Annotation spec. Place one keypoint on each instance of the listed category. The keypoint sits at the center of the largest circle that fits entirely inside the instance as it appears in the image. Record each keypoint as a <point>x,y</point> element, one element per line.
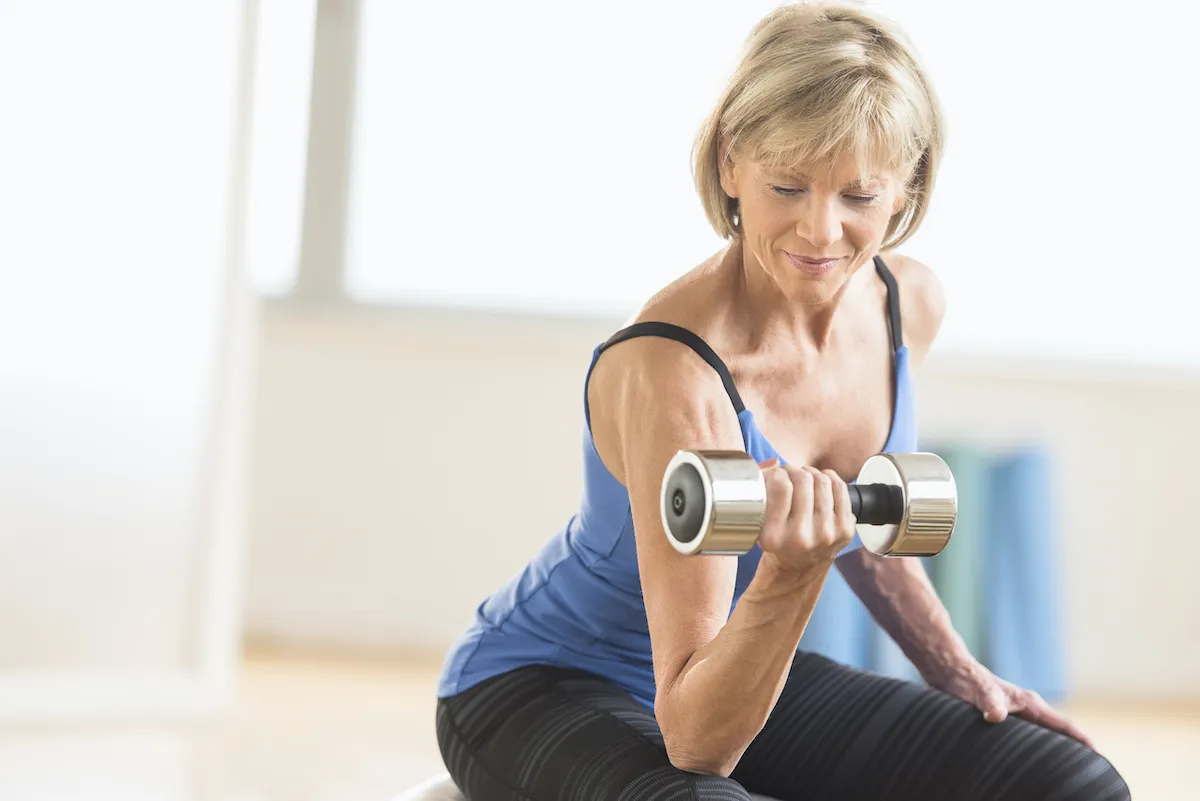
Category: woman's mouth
<point>810,265</point>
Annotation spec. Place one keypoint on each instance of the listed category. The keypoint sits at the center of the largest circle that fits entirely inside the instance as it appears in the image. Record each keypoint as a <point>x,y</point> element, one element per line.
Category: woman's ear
<point>901,198</point>
<point>726,168</point>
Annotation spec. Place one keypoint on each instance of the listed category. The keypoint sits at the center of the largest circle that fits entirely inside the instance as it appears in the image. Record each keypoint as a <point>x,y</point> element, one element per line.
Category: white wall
<point>406,462</point>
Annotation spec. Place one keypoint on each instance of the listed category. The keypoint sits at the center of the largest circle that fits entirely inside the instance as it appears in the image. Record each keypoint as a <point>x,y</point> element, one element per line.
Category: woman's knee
<point>1021,761</point>
<point>1092,778</point>
<point>1070,772</point>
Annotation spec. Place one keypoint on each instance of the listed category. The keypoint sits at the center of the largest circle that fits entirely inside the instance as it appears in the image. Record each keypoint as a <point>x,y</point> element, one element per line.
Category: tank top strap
<point>893,302</point>
<point>689,338</point>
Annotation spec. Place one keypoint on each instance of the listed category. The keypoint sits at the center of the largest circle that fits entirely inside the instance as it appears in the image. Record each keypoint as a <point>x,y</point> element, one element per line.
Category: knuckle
<point>784,490</point>
<point>802,492</point>
<point>778,481</point>
<point>803,480</point>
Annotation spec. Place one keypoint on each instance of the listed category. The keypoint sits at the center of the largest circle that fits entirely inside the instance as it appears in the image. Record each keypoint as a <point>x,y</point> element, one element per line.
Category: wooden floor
<point>329,729</point>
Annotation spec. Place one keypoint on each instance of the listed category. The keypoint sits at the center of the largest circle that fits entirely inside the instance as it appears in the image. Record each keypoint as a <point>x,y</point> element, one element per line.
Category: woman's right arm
<point>718,675</point>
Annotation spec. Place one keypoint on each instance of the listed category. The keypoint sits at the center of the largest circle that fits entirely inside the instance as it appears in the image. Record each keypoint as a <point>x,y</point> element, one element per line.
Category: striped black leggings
<point>549,734</point>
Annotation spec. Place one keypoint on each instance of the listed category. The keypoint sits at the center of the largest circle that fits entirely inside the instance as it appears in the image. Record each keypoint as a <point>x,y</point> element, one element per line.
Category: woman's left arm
<point>898,594</point>
<point>897,591</point>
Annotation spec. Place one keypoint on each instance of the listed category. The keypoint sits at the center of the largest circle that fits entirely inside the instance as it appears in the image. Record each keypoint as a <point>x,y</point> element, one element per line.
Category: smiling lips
<point>812,266</point>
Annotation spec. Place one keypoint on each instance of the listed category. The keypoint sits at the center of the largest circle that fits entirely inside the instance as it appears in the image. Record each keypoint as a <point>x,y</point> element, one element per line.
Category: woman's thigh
<point>841,733</point>
<point>544,734</point>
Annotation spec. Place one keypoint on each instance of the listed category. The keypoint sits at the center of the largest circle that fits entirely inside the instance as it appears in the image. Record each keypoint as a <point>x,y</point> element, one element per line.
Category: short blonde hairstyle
<point>817,83</point>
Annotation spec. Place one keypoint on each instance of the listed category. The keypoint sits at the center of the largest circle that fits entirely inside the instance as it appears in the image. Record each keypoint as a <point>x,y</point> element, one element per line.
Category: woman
<point>614,668</point>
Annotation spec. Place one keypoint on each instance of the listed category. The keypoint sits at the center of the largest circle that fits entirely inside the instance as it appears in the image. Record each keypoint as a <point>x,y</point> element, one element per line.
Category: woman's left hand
<point>996,698</point>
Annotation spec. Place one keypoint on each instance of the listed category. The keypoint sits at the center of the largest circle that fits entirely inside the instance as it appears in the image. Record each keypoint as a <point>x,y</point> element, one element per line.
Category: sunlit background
<point>296,302</point>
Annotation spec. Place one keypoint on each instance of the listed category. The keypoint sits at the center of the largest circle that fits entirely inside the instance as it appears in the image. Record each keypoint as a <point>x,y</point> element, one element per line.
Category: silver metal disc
<point>735,497</point>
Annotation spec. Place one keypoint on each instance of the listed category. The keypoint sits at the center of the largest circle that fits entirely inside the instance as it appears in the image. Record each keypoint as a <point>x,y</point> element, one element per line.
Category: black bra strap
<point>670,331</point>
<point>893,300</point>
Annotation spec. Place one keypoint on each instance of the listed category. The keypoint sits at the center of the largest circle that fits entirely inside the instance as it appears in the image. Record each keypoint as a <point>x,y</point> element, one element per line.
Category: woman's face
<point>811,227</point>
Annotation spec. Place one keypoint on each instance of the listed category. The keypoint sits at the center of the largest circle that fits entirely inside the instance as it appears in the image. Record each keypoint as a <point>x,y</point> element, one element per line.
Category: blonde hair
<point>818,82</point>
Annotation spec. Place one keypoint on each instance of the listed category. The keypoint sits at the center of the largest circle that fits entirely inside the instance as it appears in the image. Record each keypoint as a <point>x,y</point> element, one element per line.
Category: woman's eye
<point>791,191</point>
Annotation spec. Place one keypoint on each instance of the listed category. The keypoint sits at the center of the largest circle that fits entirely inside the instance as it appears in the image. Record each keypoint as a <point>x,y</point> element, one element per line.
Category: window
<point>532,155</point>
<point>279,142</point>
<point>1057,225</point>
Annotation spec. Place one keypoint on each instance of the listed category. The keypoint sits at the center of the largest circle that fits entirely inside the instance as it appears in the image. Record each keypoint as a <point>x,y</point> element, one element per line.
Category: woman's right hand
<point>808,519</point>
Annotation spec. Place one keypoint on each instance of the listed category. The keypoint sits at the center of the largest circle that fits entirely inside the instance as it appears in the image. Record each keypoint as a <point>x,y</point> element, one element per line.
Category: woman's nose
<point>820,224</point>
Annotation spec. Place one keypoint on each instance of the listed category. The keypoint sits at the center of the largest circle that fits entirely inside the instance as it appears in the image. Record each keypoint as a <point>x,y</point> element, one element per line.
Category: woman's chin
<point>814,291</point>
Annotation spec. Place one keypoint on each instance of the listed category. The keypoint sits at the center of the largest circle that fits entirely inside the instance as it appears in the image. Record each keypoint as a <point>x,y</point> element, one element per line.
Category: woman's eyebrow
<point>857,183</point>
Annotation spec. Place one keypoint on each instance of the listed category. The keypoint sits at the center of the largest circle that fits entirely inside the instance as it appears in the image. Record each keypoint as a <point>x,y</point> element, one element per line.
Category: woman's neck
<point>771,318</point>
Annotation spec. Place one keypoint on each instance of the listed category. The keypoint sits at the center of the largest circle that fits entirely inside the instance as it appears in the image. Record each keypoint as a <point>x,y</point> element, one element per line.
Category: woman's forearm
<point>726,691</point>
<point>900,597</point>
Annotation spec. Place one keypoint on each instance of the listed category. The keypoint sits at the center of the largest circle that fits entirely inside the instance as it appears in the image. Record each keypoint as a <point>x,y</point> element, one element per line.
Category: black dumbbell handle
<point>876,504</point>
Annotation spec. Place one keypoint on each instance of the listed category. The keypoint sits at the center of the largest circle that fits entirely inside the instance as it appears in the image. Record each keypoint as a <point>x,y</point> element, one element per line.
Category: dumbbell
<point>714,502</point>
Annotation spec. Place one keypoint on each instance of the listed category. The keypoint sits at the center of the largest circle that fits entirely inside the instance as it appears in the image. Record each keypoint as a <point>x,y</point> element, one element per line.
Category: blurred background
<point>296,302</point>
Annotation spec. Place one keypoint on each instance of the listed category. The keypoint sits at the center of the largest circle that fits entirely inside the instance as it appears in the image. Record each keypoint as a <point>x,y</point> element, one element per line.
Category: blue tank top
<point>578,602</point>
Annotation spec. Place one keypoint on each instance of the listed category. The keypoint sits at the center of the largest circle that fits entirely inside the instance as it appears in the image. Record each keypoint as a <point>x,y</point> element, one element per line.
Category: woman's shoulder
<point>659,364</point>
<point>922,301</point>
<point>652,389</point>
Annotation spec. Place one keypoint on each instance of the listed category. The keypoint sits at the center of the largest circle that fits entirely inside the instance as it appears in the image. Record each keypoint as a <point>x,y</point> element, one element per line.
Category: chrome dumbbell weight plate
<point>930,504</point>
<point>713,502</point>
